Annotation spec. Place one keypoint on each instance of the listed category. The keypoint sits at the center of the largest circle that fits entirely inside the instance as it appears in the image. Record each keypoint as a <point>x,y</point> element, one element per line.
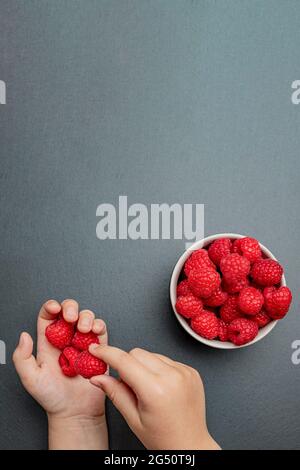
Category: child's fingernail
<point>86,322</point>
<point>22,339</point>
<point>52,303</point>
<point>71,313</point>
<point>93,346</point>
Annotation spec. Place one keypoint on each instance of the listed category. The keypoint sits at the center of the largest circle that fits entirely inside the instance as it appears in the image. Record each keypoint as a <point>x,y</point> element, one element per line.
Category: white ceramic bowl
<point>174,281</point>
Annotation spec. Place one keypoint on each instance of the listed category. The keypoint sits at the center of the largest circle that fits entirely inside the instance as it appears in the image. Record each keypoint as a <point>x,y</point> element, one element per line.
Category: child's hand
<point>162,400</point>
<point>71,403</point>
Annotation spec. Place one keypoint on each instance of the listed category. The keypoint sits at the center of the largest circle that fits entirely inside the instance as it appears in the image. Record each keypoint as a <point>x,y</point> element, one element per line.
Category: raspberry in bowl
<point>228,291</point>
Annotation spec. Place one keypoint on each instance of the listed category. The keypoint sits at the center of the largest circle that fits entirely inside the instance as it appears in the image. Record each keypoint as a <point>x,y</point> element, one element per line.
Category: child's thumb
<point>121,396</point>
<point>25,363</point>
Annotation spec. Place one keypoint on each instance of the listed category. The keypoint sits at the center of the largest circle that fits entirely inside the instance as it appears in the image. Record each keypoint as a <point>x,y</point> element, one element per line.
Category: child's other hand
<point>60,396</point>
<point>162,400</point>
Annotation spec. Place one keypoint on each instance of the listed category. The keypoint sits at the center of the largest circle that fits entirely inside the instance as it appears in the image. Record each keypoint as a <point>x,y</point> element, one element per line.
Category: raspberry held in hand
<point>67,361</point>
<point>74,359</point>
<point>206,325</point>
<point>88,365</point>
<point>250,300</point>
<point>189,306</point>
<point>82,341</point>
<point>242,331</point>
<point>266,272</point>
<point>60,333</point>
<point>204,282</point>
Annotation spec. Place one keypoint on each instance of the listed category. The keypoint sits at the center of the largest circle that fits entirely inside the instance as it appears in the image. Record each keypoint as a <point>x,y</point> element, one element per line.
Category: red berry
<point>235,287</point>
<point>183,288</point>
<point>223,333</point>
<point>218,249</point>
<point>257,286</point>
<point>206,325</point>
<point>266,272</point>
<point>197,260</point>
<point>247,247</point>
<point>216,299</point>
<point>67,361</point>
<point>234,267</point>
<point>277,301</point>
<point>250,300</point>
<point>60,333</point>
<point>204,282</point>
<point>236,246</point>
<point>88,365</point>
<point>242,331</point>
<point>230,310</point>
<point>261,318</point>
<point>82,341</point>
<point>189,306</point>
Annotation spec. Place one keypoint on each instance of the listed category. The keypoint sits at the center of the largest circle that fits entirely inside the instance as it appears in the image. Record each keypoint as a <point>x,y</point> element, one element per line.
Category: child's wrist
<point>77,432</point>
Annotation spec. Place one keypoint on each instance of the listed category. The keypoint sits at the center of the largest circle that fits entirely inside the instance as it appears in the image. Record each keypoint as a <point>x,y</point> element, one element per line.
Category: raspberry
<point>235,287</point>
<point>277,301</point>
<point>199,259</point>
<point>189,306</point>
<point>242,331</point>
<point>60,333</point>
<point>223,333</point>
<point>218,249</point>
<point>230,310</point>
<point>206,325</point>
<point>234,267</point>
<point>261,318</point>
<point>250,300</point>
<point>236,246</point>
<point>204,282</point>
<point>67,360</point>
<point>247,247</point>
<point>266,272</point>
<point>82,341</point>
<point>183,288</point>
<point>257,286</point>
<point>88,365</point>
<point>216,299</point>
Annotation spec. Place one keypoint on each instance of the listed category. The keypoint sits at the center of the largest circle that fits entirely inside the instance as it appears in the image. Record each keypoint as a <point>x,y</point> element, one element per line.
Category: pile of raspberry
<point>230,290</point>
<point>75,358</point>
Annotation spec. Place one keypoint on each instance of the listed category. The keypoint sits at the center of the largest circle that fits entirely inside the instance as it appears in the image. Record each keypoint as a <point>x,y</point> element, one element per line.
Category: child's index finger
<point>132,372</point>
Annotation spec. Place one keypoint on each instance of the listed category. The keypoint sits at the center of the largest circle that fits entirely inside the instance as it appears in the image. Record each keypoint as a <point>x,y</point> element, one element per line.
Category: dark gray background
<point>163,101</point>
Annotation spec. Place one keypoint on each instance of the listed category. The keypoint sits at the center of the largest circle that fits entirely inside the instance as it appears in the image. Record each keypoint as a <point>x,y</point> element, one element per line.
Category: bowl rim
<point>173,285</point>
